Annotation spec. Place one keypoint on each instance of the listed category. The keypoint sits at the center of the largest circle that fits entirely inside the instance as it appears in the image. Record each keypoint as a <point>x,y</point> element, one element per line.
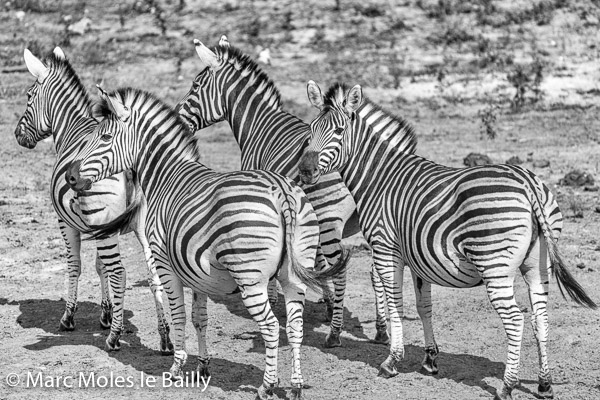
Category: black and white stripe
<point>58,106</point>
<point>233,88</point>
<point>452,227</point>
<point>217,233</point>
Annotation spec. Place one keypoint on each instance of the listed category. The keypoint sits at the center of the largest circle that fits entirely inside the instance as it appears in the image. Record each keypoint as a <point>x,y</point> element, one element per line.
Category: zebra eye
<point>339,130</point>
<point>106,137</point>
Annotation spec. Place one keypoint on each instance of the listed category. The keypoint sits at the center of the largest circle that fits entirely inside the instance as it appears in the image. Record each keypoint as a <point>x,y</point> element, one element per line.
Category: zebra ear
<point>314,94</point>
<point>223,42</point>
<point>353,99</point>
<point>115,105</point>
<point>59,53</point>
<point>206,55</point>
<point>35,66</point>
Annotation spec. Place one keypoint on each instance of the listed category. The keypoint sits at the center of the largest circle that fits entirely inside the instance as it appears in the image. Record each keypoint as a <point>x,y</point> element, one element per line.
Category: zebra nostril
<point>72,180</point>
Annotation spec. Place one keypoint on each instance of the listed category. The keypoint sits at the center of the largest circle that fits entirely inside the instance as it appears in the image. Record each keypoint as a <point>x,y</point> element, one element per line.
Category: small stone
<point>541,164</point>
<point>475,159</point>
<point>581,265</point>
<point>590,188</point>
<point>514,160</point>
<point>577,178</point>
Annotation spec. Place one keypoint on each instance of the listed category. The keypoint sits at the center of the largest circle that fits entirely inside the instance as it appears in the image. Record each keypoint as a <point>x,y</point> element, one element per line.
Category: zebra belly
<point>206,277</point>
<point>465,276</point>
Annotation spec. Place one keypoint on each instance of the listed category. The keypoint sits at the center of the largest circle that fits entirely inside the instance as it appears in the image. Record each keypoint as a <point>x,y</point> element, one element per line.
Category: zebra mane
<point>65,70</point>
<point>146,102</point>
<point>389,127</point>
<point>245,65</point>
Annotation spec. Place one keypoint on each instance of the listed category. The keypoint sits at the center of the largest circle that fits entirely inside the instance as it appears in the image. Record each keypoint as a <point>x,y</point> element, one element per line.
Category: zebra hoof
<point>387,369</point>
<point>112,343</point>
<point>67,325</point>
<point>332,340</point>
<point>202,370</point>
<point>429,364</point>
<point>296,393</point>
<point>264,393</point>
<point>106,315</point>
<point>382,337</point>
<point>545,390</point>
<point>67,322</point>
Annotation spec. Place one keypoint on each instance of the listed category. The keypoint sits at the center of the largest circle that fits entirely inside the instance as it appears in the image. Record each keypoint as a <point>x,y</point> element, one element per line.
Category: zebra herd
<point>129,162</point>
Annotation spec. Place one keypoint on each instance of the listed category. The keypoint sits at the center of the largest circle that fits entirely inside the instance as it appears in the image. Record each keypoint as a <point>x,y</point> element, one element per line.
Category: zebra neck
<point>250,105</point>
<point>378,158</point>
<point>69,116</point>
<point>166,151</point>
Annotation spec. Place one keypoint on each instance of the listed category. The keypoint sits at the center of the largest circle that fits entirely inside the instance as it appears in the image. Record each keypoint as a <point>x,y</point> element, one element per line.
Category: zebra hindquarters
<point>497,258</point>
<point>536,275</point>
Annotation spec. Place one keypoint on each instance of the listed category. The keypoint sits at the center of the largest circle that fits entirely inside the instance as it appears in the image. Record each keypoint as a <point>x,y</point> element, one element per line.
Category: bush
<point>526,78</point>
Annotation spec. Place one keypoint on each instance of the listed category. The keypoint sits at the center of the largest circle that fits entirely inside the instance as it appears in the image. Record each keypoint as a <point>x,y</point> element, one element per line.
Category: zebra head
<point>203,105</point>
<point>34,125</point>
<point>109,149</point>
<point>329,146</point>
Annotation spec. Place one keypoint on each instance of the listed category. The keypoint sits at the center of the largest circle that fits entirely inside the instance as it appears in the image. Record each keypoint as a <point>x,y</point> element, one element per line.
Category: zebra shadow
<point>44,314</point>
<point>313,316</point>
<point>466,369</point>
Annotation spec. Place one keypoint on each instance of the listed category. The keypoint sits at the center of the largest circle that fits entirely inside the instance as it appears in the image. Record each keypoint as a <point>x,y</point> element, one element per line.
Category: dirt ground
<point>442,65</point>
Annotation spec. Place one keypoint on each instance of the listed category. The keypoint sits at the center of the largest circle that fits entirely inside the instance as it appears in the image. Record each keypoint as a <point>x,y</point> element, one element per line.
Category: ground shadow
<point>44,314</point>
<point>463,368</point>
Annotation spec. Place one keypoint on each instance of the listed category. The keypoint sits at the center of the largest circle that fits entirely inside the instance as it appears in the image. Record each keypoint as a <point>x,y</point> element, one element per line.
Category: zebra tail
<point>307,276</point>
<point>122,224</point>
<point>566,281</point>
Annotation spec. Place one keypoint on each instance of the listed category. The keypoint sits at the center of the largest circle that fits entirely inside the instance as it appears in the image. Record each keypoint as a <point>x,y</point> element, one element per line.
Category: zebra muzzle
<point>22,138</point>
<point>74,179</point>
<point>309,167</point>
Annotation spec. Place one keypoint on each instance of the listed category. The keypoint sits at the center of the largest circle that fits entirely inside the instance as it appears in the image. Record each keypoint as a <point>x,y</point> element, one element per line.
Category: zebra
<point>232,87</point>
<point>453,227</point>
<point>217,233</point>
<point>58,106</point>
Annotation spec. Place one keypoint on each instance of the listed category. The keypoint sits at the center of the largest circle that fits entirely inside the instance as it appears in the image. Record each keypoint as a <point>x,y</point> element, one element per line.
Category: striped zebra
<point>58,106</point>
<point>231,87</point>
<point>217,233</point>
<point>452,227</point>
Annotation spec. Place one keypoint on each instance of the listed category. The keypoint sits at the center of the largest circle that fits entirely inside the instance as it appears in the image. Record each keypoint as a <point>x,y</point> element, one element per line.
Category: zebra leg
<point>174,289</point>
<point>272,290</point>
<point>110,256</point>
<point>328,255</point>
<point>256,301</point>
<point>501,294</point>
<point>294,301</point>
<point>166,347</point>
<point>200,321</point>
<point>535,274</point>
<point>423,296</point>
<point>391,273</point>
<point>381,336</point>
<point>72,238</point>
<point>106,306</point>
